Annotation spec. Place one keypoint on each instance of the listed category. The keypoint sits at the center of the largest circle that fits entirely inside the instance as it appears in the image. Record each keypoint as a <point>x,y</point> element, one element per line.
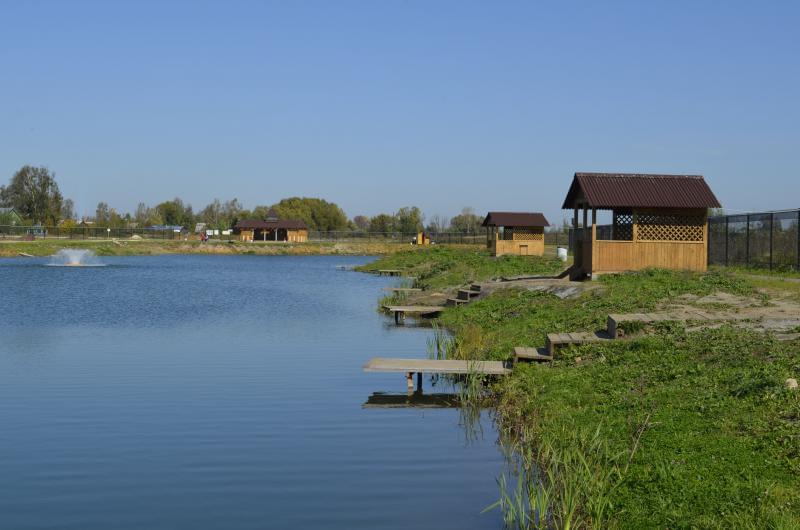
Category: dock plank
<point>434,366</point>
<point>419,309</point>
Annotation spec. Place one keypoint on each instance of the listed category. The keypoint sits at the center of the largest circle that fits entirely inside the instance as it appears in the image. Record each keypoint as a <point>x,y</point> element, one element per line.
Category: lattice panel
<point>527,235</point>
<point>653,227</point>
<point>623,227</point>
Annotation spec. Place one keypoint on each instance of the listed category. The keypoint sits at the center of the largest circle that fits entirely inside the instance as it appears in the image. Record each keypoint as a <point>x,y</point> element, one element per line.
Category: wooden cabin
<point>657,221</point>
<point>520,233</point>
<point>272,229</point>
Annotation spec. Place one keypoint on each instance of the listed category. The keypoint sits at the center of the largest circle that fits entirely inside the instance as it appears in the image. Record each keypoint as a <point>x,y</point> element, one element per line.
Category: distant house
<point>657,221</point>
<point>272,228</point>
<point>520,233</point>
<point>9,216</point>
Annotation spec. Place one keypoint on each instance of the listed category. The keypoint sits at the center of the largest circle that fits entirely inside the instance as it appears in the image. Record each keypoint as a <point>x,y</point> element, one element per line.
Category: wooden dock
<point>400,311</point>
<point>389,272</point>
<point>402,289</point>
<point>434,366</point>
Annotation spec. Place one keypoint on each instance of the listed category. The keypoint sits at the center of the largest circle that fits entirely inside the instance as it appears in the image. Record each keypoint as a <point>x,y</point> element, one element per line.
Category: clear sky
<point>382,104</point>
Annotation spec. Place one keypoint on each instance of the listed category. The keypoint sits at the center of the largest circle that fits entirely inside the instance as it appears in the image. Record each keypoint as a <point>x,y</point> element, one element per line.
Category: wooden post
<point>419,381</point>
<point>410,381</point>
<point>399,316</point>
<point>575,219</point>
<point>585,216</point>
<point>594,225</point>
<point>635,226</point>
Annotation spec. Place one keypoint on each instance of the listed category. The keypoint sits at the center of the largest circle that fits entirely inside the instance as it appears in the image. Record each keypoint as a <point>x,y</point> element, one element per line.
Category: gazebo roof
<point>636,190</point>
<point>258,224</point>
<point>521,219</point>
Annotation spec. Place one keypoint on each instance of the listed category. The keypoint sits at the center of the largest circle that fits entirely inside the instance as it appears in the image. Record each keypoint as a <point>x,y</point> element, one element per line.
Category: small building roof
<point>636,190</point>
<point>515,219</point>
<point>258,224</point>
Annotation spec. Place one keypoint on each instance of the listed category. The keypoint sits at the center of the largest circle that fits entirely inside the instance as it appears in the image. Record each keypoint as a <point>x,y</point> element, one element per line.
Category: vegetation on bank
<point>675,429</point>
<point>438,266</point>
<point>48,247</point>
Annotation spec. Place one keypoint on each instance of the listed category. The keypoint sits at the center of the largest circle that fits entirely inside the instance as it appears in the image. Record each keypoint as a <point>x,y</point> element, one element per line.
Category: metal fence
<point>766,240</point>
<point>83,232</point>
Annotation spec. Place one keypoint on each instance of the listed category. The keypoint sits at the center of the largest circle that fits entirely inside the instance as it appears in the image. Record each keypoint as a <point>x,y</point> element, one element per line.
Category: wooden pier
<point>434,366</point>
<point>400,311</point>
<point>389,272</point>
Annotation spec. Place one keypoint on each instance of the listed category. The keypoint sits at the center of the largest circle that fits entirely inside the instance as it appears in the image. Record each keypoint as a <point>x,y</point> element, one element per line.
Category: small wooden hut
<point>657,221</point>
<point>520,233</point>
<point>272,228</point>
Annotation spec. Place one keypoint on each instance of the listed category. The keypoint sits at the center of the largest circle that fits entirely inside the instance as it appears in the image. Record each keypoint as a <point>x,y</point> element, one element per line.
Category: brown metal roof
<point>258,224</point>
<point>635,190</point>
<point>515,219</point>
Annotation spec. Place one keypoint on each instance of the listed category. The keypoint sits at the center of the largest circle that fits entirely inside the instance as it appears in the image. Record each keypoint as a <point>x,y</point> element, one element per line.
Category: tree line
<point>35,196</point>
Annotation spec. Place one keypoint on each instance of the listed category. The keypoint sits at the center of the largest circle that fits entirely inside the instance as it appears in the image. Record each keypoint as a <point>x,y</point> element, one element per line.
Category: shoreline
<point>673,411</point>
<point>145,247</point>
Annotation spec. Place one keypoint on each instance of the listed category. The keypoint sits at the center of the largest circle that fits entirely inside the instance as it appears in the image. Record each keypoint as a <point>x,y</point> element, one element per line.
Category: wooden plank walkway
<point>434,366</point>
<point>401,310</point>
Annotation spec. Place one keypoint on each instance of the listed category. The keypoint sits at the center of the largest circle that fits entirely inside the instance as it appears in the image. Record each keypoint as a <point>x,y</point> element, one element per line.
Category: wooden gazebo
<point>272,228</point>
<point>658,221</point>
<point>520,233</point>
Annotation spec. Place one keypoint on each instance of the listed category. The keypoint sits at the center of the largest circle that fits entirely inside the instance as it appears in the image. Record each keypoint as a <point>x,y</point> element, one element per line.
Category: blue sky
<point>382,104</point>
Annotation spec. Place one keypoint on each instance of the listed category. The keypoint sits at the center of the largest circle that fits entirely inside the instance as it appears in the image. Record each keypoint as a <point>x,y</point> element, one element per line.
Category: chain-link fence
<point>85,232</point>
<point>766,240</point>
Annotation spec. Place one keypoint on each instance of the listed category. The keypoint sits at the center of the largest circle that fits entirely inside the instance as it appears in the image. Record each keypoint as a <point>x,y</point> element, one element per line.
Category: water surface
<point>220,392</point>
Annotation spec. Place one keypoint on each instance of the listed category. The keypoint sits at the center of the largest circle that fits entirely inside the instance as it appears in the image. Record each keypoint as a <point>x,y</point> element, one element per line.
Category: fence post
<point>797,265</point>
<point>747,243</point>
<point>771,231</point>
<point>727,232</point>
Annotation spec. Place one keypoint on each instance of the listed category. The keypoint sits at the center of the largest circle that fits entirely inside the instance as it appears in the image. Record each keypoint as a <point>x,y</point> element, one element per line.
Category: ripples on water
<point>220,392</point>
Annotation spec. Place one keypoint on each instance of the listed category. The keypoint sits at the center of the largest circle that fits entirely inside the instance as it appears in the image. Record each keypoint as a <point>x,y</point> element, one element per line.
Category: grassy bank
<point>671,429</point>
<point>448,266</point>
<point>48,247</point>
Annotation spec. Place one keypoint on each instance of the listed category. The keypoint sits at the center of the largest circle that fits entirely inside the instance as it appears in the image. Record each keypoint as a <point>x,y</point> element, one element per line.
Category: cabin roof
<point>637,190</point>
<point>258,224</point>
<point>515,219</point>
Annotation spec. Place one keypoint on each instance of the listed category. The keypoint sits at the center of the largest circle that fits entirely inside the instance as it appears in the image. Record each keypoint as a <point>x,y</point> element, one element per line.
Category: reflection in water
<point>383,400</point>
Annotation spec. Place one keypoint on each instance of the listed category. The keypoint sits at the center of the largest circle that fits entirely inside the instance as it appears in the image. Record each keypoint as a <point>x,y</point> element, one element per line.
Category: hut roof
<point>289,224</point>
<point>515,219</point>
<point>635,190</point>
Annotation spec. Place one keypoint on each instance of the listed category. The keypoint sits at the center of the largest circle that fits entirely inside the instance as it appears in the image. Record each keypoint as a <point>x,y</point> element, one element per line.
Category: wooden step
<point>475,287</point>
<point>466,294</point>
<point>563,339</point>
<point>456,301</point>
<point>522,353</point>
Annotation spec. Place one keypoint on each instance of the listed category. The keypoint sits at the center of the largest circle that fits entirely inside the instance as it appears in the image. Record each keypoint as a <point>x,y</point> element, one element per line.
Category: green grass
<point>710,435</point>
<point>437,267</point>
<point>491,327</point>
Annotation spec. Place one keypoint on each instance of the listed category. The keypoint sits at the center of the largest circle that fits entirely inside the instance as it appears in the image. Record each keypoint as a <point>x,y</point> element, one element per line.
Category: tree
<point>318,214</point>
<point>361,222</point>
<point>68,210</point>
<point>438,224</point>
<point>467,222</point>
<point>102,215</point>
<point>175,213</point>
<point>33,193</point>
<point>381,223</point>
<point>408,220</point>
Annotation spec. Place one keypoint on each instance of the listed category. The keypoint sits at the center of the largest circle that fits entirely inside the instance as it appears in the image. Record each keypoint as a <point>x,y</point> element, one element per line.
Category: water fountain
<point>75,257</point>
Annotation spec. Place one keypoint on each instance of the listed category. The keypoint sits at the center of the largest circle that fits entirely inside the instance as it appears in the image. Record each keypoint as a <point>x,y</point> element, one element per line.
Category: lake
<point>221,392</point>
